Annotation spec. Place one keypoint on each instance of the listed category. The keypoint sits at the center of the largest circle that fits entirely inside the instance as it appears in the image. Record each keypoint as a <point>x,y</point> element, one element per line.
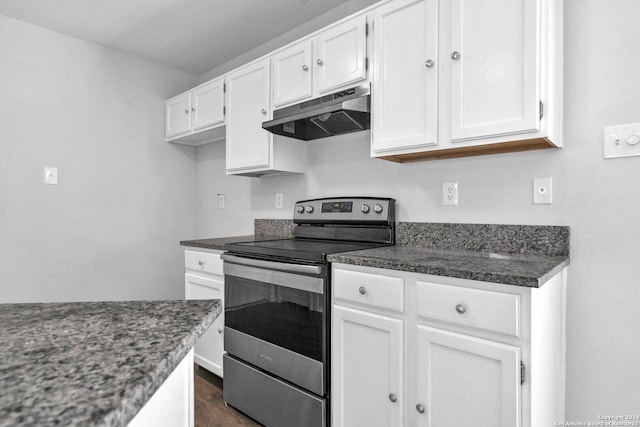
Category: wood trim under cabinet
<point>476,150</point>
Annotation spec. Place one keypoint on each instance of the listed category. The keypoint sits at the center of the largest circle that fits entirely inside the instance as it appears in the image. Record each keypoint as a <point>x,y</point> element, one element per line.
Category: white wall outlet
<point>50,175</point>
<point>221,200</point>
<point>542,191</point>
<point>279,200</point>
<point>622,141</point>
<point>449,193</point>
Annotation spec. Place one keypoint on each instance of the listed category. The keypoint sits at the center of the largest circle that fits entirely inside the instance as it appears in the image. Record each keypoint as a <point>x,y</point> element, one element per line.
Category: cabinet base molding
<point>477,150</point>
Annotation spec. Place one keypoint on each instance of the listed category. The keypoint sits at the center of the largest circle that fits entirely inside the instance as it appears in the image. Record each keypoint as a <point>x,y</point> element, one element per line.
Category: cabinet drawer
<point>203,261</point>
<point>368,289</point>
<point>486,310</point>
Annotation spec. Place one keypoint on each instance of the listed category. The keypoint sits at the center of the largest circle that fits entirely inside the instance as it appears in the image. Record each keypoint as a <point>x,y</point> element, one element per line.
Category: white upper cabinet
<point>196,117</point>
<point>405,78</point>
<point>490,49</point>
<point>334,59</point>
<point>178,115</point>
<point>207,105</point>
<point>251,150</point>
<point>291,71</point>
<point>248,145</point>
<point>341,55</point>
<point>465,77</point>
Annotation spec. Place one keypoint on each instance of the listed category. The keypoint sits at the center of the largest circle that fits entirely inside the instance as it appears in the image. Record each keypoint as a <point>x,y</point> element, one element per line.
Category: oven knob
<point>365,208</point>
<point>377,208</point>
<point>300,209</point>
<point>309,209</point>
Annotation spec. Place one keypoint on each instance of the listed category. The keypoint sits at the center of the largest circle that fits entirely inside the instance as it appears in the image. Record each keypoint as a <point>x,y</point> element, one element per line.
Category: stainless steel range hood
<point>341,112</point>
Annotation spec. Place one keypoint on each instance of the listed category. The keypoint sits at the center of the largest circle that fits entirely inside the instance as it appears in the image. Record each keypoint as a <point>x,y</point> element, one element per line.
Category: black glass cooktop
<point>297,249</point>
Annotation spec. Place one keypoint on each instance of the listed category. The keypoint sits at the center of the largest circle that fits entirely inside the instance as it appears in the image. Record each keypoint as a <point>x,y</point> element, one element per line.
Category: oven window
<point>289,318</point>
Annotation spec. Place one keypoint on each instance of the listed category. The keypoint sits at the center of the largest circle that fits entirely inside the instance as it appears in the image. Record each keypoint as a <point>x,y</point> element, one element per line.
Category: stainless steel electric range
<point>278,305</point>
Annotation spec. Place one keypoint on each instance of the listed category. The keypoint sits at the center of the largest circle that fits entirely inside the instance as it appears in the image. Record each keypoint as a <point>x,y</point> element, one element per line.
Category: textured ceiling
<point>190,35</point>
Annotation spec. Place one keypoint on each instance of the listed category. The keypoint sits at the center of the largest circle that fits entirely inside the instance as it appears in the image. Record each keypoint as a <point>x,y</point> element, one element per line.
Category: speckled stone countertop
<point>520,255</point>
<point>92,363</point>
<point>265,229</point>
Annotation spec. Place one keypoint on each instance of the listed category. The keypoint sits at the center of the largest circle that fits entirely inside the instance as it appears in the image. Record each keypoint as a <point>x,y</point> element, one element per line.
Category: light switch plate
<point>622,141</point>
<point>542,191</point>
<point>50,175</point>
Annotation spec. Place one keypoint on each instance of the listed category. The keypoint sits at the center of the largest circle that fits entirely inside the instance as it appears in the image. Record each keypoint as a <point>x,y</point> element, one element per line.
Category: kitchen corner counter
<point>92,363</point>
<point>513,269</point>
<point>216,243</point>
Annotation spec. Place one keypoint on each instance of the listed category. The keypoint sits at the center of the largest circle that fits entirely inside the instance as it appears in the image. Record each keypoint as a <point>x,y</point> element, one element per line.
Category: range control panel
<point>345,209</point>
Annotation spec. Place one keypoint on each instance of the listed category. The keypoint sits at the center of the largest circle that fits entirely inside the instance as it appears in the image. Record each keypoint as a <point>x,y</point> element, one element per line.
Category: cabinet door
<point>493,54</point>
<point>210,346</point>
<point>465,381</point>
<point>178,115</point>
<point>207,105</point>
<point>340,55</point>
<point>291,74</point>
<point>248,145</point>
<point>405,90</point>
<point>366,369</point>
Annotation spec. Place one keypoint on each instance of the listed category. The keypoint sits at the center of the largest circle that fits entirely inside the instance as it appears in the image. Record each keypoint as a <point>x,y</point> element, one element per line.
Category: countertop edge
<point>137,396</point>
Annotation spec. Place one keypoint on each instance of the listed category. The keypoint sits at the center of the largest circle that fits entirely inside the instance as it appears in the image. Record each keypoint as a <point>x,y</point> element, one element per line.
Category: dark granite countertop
<point>513,269</point>
<point>92,363</point>
<point>217,242</point>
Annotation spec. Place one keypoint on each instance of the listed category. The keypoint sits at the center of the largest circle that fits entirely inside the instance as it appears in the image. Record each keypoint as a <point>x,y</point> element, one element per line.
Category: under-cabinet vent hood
<point>341,112</point>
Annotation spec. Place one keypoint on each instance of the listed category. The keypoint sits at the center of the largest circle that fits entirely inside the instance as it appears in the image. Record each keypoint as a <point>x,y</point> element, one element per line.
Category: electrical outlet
<point>221,200</point>
<point>279,200</point>
<point>50,175</point>
<point>450,193</point>
<point>542,191</point>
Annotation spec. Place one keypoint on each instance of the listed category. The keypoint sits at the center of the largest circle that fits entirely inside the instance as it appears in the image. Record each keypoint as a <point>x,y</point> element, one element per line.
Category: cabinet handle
<point>362,290</point>
<point>461,308</point>
<point>393,398</point>
<point>193,109</point>
<point>429,63</point>
<point>455,55</point>
<point>320,61</point>
<point>186,111</point>
<point>263,111</point>
<point>305,68</point>
<point>200,262</point>
<point>420,408</point>
<point>220,331</point>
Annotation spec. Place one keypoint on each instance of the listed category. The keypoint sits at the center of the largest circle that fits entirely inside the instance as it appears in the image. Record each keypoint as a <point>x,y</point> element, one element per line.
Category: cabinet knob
<point>461,308</point>
<point>393,397</point>
<point>320,62</point>
<point>305,68</point>
<point>220,331</point>
<point>429,63</point>
<point>455,55</point>
<point>200,262</point>
<point>186,111</point>
<point>420,408</point>
<point>263,111</point>
<point>193,109</point>
<point>362,290</point>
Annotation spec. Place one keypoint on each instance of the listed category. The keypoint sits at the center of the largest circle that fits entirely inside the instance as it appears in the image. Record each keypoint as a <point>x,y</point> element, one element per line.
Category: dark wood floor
<point>210,410</point>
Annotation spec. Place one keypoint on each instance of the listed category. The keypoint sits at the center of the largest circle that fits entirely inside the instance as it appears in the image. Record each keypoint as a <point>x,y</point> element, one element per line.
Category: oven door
<point>276,318</point>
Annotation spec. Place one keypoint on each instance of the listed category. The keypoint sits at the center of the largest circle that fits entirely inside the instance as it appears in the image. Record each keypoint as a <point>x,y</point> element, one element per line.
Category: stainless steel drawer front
<point>269,400</point>
<point>303,371</point>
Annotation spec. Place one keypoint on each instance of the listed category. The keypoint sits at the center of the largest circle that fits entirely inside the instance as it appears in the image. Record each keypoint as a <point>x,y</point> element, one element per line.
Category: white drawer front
<point>203,261</point>
<point>368,289</point>
<point>486,310</point>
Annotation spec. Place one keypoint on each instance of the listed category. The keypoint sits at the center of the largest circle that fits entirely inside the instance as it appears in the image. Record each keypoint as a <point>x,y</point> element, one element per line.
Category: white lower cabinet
<point>204,279</point>
<point>448,352</point>
<point>367,368</point>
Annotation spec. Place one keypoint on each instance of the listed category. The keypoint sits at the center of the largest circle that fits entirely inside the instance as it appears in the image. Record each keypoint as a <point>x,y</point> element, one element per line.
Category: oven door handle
<point>281,266</point>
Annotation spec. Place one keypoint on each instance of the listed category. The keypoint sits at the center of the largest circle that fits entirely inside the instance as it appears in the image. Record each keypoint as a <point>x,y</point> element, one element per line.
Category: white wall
<point>110,229</point>
<point>598,198</point>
